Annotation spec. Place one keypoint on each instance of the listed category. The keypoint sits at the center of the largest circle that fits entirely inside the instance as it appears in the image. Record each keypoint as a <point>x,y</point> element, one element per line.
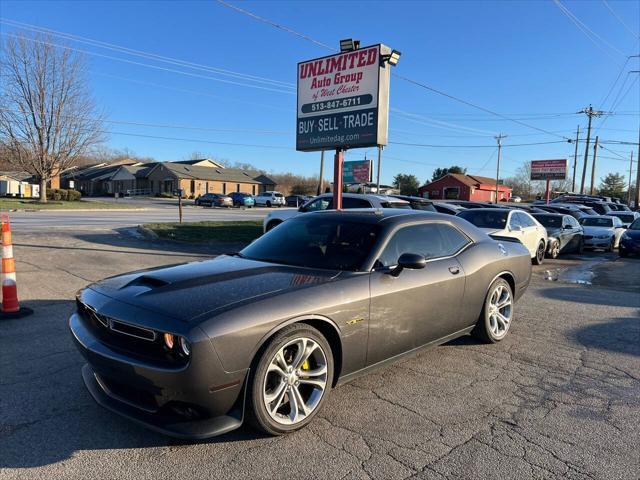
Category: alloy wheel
<point>500,311</point>
<point>540,252</point>
<point>295,381</point>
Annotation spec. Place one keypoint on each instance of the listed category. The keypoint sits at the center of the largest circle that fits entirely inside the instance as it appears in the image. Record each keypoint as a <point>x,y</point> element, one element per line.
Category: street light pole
<point>499,139</point>
<point>575,161</point>
<point>378,175</point>
<point>321,179</point>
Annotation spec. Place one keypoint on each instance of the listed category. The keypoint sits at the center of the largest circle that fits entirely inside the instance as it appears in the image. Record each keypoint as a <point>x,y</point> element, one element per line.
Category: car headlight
<point>186,347</point>
<point>178,343</point>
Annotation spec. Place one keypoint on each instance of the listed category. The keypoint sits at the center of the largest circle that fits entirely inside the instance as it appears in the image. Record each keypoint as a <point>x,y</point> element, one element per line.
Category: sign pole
<point>338,162</point>
<point>378,175</point>
<point>321,180</point>
<point>547,194</point>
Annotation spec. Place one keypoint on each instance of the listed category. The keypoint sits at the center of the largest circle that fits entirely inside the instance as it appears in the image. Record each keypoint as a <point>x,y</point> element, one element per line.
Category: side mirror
<point>567,227</point>
<point>410,261</point>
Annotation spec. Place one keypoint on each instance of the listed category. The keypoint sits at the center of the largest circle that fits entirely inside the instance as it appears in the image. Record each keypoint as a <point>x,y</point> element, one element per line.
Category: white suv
<point>270,199</point>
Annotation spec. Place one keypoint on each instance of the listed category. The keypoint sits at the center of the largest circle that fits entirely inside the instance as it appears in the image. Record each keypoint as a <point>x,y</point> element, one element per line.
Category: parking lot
<point>558,398</point>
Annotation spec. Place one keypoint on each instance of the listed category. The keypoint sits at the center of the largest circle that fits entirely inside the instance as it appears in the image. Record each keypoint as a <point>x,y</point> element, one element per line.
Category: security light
<point>348,44</point>
<point>391,58</point>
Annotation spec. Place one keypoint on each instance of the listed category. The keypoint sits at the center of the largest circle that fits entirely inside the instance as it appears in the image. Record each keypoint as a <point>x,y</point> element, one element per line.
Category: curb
<point>146,233</point>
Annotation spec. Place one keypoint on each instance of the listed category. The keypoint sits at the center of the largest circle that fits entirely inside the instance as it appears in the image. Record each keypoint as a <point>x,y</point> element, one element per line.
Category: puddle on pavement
<point>582,274</point>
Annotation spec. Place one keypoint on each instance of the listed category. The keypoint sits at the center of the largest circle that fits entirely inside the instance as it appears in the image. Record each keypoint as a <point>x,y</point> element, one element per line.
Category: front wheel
<point>539,258</point>
<point>581,246</point>
<point>290,380</point>
<point>268,204</point>
<point>554,251</point>
<point>497,313</point>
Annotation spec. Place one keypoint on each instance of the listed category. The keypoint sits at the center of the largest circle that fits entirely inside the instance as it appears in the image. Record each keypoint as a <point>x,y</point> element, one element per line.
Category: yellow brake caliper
<point>305,365</point>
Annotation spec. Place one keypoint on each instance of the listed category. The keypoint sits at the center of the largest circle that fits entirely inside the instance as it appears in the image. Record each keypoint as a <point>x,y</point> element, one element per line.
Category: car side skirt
<point>376,366</point>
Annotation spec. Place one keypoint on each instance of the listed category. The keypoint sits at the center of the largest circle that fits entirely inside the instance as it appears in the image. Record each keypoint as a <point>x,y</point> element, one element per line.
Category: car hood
<point>635,234</point>
<point>191,290</point>
<point>597,230</point>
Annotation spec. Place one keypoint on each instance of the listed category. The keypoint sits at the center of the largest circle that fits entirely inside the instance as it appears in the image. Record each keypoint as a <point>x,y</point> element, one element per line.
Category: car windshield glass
<point>635,225</point>
<point>316,242</point>
<point>549,221</point>
<point>625,218</point>
<point>486,219</point>
<point>597,222</point>
<point>278,195</point>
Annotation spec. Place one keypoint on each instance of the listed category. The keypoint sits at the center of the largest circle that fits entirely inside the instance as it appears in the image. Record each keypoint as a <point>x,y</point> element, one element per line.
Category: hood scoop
<point>146,281</point>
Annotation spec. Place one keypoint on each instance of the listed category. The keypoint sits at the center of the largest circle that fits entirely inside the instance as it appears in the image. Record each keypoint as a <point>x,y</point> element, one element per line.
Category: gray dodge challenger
<point>264,334</point>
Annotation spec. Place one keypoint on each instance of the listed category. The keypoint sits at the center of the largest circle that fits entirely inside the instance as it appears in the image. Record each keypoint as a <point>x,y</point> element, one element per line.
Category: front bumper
<point>597,242</point>
<point>195,401</point>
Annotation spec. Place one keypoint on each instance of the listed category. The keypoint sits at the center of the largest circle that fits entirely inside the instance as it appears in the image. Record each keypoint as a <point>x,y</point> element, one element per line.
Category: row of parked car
<point>562,226</point>
<point>240,199</point>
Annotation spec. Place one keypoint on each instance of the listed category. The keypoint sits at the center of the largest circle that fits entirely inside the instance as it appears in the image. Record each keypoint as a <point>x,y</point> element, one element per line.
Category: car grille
<point>139,342</point>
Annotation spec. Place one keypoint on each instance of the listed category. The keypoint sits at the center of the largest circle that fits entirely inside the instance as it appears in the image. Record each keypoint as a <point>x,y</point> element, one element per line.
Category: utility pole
<point>575,161</point>
<point>589,112</point>
<point>321,179</point>
<point>630,174</point>
<point>593,165</point>
<point>499,139</point>
<point>378,175</point>
<point>638,173</point>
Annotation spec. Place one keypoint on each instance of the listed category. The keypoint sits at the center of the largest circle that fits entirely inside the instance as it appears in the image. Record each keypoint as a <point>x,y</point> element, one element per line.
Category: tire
<point>612,246</point>
<point>272,225</point>
<point>555,251</point>
<point>269,379</point>
<point>580,249</point>
<point>268,204</point>
<point>622,252</point>
<point>539,258</point>
<point>488,329</point>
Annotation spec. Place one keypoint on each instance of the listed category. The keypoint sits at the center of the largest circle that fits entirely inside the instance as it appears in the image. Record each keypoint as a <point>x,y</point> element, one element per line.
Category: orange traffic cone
<point>10,306</point>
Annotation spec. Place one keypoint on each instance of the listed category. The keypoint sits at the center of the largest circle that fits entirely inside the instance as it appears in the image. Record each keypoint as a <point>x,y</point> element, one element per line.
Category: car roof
<point>549,214</point>
<point>489,209</point>
<point>381,198</point>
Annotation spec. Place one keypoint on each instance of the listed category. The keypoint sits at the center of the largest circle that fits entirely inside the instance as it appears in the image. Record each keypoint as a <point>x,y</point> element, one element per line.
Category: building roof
<point>470,180</point>
<point>18,176</point>
<point>220,174</point>
<point>200,161</point>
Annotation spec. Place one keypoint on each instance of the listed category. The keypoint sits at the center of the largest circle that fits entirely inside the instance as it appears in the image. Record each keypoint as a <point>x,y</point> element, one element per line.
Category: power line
<point>419,84</point>
<point>475,146</point>
<point>156,67</point>
<point>143,54</point>
<point>617,17</point>
<point>586,30</point>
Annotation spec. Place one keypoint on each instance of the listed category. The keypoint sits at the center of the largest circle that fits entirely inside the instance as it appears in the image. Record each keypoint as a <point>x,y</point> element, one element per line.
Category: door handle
<point>454,270</point>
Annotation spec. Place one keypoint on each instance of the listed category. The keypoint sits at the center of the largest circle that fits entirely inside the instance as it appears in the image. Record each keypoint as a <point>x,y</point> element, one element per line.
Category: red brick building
<point>455,186</point>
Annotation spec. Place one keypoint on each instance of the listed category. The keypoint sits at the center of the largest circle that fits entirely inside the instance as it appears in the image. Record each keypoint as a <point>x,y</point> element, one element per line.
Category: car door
<point>530,234</point>
<point>572,233</point>
<point>417,306</point>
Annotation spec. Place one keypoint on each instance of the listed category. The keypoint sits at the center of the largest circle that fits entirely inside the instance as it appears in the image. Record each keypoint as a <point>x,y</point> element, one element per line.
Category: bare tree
<point>48,119</point>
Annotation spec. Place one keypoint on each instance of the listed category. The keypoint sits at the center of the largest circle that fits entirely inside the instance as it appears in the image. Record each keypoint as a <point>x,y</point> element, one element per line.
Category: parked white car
<point>325,202</point>
<point>512,223</point>
<point>270,199</point>
<point>626,218</point>
<point>602,231</point>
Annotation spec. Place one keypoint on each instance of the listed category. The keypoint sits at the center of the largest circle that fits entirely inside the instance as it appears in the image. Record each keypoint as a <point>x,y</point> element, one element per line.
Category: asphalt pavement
<point>558,398</point>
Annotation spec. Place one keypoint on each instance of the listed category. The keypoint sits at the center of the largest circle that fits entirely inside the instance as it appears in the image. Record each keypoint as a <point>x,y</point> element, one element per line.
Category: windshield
<point>494,219</point>
<point>626,218</point>
<point>635,225</point>
<point>550,221</point>
<point>597,222</point>
<point>316,241</point>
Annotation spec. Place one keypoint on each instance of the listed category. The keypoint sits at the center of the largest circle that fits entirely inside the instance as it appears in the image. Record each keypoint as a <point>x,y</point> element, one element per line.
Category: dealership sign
<point>548,169</point>
<point>343,100</point>
<point>357,171</point>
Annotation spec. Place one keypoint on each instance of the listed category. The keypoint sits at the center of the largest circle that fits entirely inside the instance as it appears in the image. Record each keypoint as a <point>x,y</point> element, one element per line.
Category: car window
<point>514,221</point>
<point>635,225</point>
<point>617,222</point>
<point>432,240</point>
<point>495,219</point>
<point>319,204</point>
<point>402,205</point>
<point>551,221</point>
<point>350,202</point>
<point>597,222</point>
<point>525,220</point>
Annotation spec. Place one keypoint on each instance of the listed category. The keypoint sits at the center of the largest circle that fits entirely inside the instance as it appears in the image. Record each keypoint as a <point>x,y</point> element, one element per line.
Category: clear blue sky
<point>525,59</point>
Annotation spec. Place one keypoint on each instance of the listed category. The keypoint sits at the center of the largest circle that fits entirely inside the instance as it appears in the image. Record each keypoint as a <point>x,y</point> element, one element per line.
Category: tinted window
<point>625,218</point>
<point>496,219</point>
<point>427,207</point>
<point>596,222</point>
<point>430,239</point>
<point>316,242</point>
<point>349,202</point>
<point>550,221</point>
<point>635,225</point>
<point>402,205</point>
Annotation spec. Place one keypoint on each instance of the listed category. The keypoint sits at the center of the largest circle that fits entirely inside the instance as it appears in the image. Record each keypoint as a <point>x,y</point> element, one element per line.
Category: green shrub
<point>61,194</point>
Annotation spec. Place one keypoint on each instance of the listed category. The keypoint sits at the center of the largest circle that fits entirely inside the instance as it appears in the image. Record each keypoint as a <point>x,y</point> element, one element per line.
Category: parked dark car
<point>600,207</point>
<point>417,203</point>
<point>630,240</point>
<point>297,200</point>
<point>447,208</point>
<point>192,350</point>
<point>469,204</point>
<point>564,232</point>
<point>214,200</point>
<point>572,210</point>
<point>241,199</point>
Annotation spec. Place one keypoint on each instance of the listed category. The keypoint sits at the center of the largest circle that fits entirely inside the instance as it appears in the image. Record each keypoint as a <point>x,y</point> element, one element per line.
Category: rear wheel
<point>268,204</point>
<point>290,380</point>
<point>581,246</point>
<point>611,245</point>
<point>539,258</point>
<point>497,313</point>
<point>554,251</point>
